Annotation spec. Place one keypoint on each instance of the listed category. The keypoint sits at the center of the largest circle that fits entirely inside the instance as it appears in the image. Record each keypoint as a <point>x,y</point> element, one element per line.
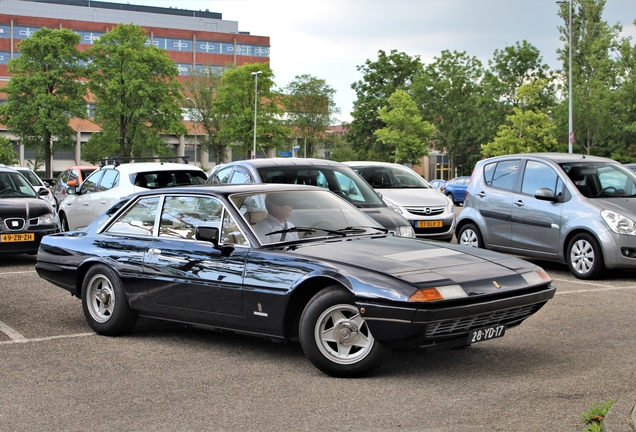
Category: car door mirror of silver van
<point>546,194</point>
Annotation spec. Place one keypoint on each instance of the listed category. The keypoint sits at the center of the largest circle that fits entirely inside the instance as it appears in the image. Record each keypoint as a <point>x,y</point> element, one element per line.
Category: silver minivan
<point>576,209</point>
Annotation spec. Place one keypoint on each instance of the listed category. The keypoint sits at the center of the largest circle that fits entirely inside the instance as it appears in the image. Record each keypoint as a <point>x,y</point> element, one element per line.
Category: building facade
<point>192,39</point>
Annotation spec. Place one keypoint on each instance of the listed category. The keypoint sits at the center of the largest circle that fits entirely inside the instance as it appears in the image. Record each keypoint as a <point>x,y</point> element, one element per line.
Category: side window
<point>182,215</point>
<point>538,175</point>
<point>139,219</point>
<point>109,180</point>
<point>222,175</point>
<point>230,232</point>
<point>90,184</point>
<point>505,174</point>
<point>72,175</point>
<point>489,170</point>
<point>347,187</point>
<point>241,176</point>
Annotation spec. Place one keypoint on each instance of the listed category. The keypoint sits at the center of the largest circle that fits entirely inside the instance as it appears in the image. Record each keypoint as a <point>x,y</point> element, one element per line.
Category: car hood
<point>426,264</point>
<point>386,217</point>
<point>25,208</point>
<point>415,197</point>
<point>625,206</point>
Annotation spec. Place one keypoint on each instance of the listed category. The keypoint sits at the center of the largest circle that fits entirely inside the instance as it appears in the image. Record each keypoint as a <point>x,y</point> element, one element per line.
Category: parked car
<point>431,214</point>
<point>437,184</point>
<point>334,176</point>
<point>74,173</point>
<point>24,217</point>
<point>342,287</point>
<point>38,184</point>
<point>570,208</point>
<point>111,183</point>
<point>631,166</point>
<point>456,188</point>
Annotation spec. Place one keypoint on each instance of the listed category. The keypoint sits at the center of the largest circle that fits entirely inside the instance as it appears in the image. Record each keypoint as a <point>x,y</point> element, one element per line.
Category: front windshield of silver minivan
<point>601,179</point>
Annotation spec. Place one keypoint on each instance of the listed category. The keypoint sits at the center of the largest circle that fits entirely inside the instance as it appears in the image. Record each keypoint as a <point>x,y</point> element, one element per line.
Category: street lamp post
<point>256,74</point>
<point>570,130</point>
<point>195,130</point>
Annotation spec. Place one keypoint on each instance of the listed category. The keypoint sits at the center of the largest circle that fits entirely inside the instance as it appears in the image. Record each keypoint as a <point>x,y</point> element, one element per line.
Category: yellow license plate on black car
<point>11,238</point>
<point>430,224</point>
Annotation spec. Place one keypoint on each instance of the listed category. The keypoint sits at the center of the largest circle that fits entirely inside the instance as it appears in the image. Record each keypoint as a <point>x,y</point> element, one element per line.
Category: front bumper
<point>25,246</point>
<point>426,326</point>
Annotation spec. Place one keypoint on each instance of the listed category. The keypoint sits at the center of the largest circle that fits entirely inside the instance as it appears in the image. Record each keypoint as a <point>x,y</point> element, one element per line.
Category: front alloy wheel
<point>335,338</point>
<point>584,256</point>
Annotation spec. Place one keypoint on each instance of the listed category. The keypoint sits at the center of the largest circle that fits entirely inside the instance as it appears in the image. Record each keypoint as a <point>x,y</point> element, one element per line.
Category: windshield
<point>391,177</point>
<point>294,215</point>
<point>31,177</point>
<point>342,181</point>
<point>601,179</point>
<point>14,185</point>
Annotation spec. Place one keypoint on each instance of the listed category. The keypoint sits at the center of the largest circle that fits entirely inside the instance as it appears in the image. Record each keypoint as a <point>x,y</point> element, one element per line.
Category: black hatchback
<point>24,216</point>
<point>334,176</point>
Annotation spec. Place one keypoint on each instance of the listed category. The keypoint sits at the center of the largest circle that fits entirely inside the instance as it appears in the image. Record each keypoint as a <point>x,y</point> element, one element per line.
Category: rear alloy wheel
<point>469,235</point>
<point>584,257</point>
<point>104,302</point>
<point>335,338</point>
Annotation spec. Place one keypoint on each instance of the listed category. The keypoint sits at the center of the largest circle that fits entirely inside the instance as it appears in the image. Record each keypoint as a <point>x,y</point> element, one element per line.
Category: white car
<point>431,214</point>
<point>37,184</point>
<point>112,183</point>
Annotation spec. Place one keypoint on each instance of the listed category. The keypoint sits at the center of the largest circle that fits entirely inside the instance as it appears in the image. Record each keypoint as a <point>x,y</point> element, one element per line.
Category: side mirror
<point>71,190</point>
<point>209,234</point>
<point>545,194</point>
<point>43,192</point>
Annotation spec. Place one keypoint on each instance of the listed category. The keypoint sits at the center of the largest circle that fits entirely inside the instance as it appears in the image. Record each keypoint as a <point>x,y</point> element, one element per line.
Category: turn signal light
<point>438,293</point>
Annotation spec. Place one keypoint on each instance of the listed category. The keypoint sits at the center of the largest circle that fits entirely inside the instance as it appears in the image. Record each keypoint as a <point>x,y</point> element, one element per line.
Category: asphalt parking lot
<point>56,374</point>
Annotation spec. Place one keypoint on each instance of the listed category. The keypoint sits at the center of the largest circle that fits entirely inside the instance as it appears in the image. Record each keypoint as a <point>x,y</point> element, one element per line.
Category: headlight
<point>450,207</point>
<point>394,207</point>
<point>406,231</point>
<point>618,223</point>
<point>47,219</point>
<point>438,293</point>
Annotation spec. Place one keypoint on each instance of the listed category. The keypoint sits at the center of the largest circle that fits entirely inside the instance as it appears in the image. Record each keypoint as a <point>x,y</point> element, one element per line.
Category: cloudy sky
<point>329,38</point>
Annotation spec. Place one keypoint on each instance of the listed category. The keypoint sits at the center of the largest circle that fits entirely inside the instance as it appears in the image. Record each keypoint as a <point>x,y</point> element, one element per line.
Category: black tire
<point>469,235</point>
<point>356,353</point>
<point>64,222</point>
<point>450,196</point>
<point>104,302</point>
<point>584,256</point>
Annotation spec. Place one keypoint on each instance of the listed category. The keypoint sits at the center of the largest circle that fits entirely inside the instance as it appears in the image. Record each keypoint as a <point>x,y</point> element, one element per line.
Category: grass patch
<point>593,418</point>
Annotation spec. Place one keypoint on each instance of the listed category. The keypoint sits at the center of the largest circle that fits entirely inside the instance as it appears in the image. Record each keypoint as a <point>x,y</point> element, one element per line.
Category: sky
<point>328,39</point>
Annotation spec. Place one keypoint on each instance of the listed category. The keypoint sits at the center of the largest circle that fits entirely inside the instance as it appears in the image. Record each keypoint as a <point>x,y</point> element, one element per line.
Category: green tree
<point>528,130</point>
<point>235,101</point>
<point>380,79</point>
<point>310,109</point>
<point>202,88</point>
<point>44,91</point>
<point>137,96</point>
<point>406,134</point>
<point>8,156</point>
<point>595,45</point>
<point>450,95</point>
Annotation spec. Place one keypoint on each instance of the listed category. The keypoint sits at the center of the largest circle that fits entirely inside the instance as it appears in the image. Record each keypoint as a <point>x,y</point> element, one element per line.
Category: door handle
<point>152,251</point>
<point>86,203</point>
<point>519,203</point>
<point>481,194</point>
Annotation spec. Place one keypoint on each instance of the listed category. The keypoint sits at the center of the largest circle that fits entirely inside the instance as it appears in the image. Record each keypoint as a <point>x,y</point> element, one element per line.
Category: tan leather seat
<point>255,216</point>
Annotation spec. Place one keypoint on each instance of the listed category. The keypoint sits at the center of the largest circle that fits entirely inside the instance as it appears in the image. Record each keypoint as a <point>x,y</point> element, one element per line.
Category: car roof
<point>127,168</point>
<point>284,162</point>
<point>557,157</point>
<point>230,189</point>
<point>386,164</point>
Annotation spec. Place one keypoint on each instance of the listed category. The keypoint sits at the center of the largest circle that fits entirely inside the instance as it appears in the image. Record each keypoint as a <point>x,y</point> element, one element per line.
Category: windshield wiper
<point>361,229</point>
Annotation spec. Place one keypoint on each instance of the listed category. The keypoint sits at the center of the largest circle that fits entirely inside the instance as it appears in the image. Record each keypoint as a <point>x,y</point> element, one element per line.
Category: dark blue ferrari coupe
<point>288,262</point>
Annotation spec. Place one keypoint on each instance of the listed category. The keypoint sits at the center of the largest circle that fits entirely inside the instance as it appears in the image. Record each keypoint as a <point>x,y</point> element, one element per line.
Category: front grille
<point>462,325</point>
<point>421,211</point>
<point>14,224</point>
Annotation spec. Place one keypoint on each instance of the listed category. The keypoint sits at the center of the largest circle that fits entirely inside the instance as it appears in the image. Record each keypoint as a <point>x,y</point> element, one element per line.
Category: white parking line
<point>602,287</point>
<point>20,272</point>
<point>14,335</point>
<point>25,340</point>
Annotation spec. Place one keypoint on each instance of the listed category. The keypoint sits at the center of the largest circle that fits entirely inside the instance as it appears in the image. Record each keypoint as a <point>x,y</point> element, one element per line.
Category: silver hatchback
<point>576,209</point>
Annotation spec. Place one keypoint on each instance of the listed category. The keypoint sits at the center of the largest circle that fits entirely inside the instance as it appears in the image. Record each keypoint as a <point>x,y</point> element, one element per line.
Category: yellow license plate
<point>430,224</point>
<point>9,238</point>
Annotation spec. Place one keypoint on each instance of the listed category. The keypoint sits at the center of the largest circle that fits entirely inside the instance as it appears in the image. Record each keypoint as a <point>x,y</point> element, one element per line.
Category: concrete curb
<point>622,416</point>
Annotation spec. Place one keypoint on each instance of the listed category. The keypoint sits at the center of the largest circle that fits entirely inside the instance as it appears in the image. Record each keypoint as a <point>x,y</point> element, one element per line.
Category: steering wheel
<point>606,189</point>
<point>323,222</point>
<point>5,190</point>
